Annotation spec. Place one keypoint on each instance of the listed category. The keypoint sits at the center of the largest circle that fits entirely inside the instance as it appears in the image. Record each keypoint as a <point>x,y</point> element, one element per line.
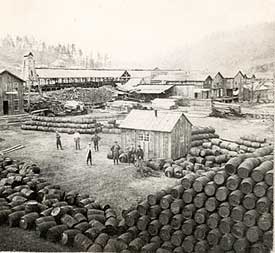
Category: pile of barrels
<point>111,127</point>
<point>228,209</point>
<point>251,143</point>
<point>27,200</point>
<point>200,135</point>
<point>63,125</point>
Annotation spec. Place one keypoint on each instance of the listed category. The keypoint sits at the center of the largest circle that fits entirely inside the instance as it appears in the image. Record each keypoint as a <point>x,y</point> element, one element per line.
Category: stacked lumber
<point>27,200</point>
<point>223,110</point>
<point>202,134</point>
<point>230,210</point>
<point>63,125</point>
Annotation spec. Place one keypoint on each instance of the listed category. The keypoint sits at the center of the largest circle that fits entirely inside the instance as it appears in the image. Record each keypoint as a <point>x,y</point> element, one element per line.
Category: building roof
<point>165,121</point>
<point>2,71</point>
<point>152,89</point>
<point>74,73</point>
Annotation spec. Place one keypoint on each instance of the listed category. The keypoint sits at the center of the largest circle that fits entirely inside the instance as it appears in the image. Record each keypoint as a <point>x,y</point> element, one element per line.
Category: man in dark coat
<point>115,152</point>
<point>58,140</point>
<point>95,140</point>
<point>89,154</point>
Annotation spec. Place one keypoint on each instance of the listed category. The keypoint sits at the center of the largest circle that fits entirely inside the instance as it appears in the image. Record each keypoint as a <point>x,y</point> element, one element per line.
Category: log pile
<point>27,200</point>
<point>229,210</point>
<point>85,95</point>
<point>63,125</point>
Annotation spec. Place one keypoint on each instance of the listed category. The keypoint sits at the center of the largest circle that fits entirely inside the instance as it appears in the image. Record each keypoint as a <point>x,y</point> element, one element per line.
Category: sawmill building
<point>161,134</point>
<point>11,93</point>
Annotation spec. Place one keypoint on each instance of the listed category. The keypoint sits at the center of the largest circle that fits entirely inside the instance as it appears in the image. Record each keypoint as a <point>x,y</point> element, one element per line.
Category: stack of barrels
<point>200,135</point>
<point>27,200</point>
<point>251,143</point>
<point>111,127</point>
<point>227,210</point>
<point>63,125</point>
<point>210,153</point>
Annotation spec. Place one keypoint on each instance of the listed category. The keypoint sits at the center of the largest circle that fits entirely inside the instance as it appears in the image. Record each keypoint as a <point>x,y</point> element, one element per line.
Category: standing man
<point>115,151</point>
<point>131,154</point>
<point>77,140</point>
<point>95,140</point>
<point>89,154</point>
<point>139,155</point>
<point>58,140</point>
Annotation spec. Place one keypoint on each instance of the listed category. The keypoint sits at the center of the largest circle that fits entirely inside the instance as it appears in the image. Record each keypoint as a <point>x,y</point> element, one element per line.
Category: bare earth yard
<point>113,184</point>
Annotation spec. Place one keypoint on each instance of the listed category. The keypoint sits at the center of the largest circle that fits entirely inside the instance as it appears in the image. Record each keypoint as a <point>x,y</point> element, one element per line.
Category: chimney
<point>156,113</point>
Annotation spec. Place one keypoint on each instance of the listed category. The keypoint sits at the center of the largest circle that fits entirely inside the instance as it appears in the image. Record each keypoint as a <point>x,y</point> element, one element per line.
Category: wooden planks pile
<point>27,200</point>
<point>63,125</point>
<point>222,110</point>
<point>229,210</point>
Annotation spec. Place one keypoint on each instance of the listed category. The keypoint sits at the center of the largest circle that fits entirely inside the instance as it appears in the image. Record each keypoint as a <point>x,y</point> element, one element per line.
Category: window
<point>146,137</point>
<point>143,137</point>
<point>16,104</point>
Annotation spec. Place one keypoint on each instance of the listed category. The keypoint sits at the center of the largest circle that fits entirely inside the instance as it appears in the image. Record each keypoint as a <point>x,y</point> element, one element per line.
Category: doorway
<point>6,107</point>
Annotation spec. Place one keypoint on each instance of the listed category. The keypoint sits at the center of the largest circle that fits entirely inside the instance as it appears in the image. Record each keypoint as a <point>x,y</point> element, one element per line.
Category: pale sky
<point>129,28</point>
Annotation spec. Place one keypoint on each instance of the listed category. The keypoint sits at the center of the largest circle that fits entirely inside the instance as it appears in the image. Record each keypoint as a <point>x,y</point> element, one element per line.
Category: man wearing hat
<point>140,155</point>
<point>115,152</point>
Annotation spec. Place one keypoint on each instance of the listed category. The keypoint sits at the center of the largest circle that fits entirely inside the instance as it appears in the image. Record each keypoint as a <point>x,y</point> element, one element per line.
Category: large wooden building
<point>11,93</point>
<point>161,134</point>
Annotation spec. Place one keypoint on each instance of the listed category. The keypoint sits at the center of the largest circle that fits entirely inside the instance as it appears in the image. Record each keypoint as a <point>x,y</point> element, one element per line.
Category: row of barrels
<point>200,135</point>
<point>61,130</point>
<point>106,130</point>
<point>227,210</point>
<point>64,120</point>
<point>62,125</point>
<point>27,200</point>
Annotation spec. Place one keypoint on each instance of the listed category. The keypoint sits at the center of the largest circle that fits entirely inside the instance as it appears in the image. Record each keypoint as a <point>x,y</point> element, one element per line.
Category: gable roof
<point>146,120</point>
<point>241,73</point>
<point>2,71</point>
<point>152,89</point>
<point>219,74</point>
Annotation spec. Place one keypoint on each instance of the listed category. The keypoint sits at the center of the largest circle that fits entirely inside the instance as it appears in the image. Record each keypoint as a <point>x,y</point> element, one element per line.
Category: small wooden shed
<point>11,93</point>
<point>161,133</point>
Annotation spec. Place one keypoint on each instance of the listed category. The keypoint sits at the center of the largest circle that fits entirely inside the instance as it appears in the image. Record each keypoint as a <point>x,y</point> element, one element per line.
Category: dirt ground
<point>117,185</point>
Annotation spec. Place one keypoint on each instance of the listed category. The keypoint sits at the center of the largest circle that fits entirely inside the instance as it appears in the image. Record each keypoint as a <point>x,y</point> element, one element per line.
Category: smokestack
<point>156,113</point>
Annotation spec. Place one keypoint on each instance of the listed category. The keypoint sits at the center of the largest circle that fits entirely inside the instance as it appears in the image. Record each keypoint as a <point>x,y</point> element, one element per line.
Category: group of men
<point>132,154</point>
<point>95,139</point>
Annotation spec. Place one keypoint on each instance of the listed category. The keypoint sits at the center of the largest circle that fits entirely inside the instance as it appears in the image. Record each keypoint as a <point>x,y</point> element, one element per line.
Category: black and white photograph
<point>134,126</point>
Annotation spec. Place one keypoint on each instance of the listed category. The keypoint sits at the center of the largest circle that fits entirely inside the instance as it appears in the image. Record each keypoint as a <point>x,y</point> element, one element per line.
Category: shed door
<point>6,107</point>
<point>143,140</point>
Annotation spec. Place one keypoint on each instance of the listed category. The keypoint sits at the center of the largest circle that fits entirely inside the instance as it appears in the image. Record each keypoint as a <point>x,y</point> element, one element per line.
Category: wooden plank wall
<point>181,137</point>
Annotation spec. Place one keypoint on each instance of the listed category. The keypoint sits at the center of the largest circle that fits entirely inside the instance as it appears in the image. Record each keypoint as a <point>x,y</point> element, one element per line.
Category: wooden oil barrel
<point>95,248</point>
<point>188,180</point>
<point>14,218</point>
<point>259,172</point>
<point>237,213</point>
<point>166,232</point>
<point>165,216</point>
<point>68,220</point>
<point>253,234</point>
<point>143,222</point>
<point>188,226</point>
<point>82,242</point>
<point>188,195</point>
<point>189,243</point>
<point>153,227</point>
<point>80,217</point>
<point>43,227</point>
<point>166,201</point>
<point>200,216</point>
<point>177,238</point>
<point>213,220</point>
<point>199,200</point>
<point>54,234</point>
<point>235,197</point>
<point>68,236</point>
<point>232,182</point>
<point>225,225</point>
<point>224,209</point>
<point>143,207</point>
<point>82,226</point>
<point>188,211</point>
<point>222,193</point>
<point>136,245</point>
<point>213,236</point>
<point>201,231</point>
<point>154,199</point>
<point>28,220</point>
<point>154,211</point>
<point>131,218</point>
<point>102,239</point>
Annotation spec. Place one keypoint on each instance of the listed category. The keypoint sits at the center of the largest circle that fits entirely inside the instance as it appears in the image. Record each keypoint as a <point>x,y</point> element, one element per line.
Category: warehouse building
<point>11,93</point>
<point>161,134</point>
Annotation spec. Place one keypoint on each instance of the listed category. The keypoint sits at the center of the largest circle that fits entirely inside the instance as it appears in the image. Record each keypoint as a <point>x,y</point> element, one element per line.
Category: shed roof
<point>152,89</point>
<point>165,121</point>
<point>2,71</point>
<point>71,73</point>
